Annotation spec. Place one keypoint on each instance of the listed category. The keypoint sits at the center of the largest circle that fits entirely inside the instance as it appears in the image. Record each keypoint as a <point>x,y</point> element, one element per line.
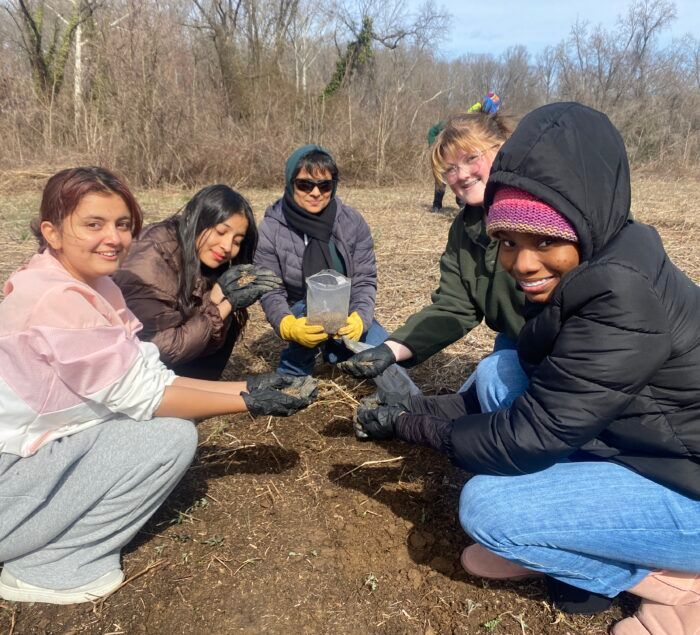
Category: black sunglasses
<point>307,185</point>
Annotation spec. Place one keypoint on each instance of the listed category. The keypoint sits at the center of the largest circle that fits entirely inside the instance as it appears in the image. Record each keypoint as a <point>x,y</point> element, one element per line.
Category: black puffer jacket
<point>617,348</point>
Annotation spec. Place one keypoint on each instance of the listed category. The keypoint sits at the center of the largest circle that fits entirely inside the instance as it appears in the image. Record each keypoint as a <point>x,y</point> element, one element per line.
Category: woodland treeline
<point>194,91</point>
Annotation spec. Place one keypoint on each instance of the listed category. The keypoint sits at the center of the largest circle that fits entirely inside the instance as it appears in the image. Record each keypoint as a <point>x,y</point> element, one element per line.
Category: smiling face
<point>93,239</point>
<point>467,172</point>
<point>537,263</point>
<point>314,201</point>
<point>221,243</point>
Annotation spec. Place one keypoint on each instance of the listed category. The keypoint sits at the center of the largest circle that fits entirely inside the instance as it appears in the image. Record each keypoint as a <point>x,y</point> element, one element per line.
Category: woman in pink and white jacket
<point>95,431</point>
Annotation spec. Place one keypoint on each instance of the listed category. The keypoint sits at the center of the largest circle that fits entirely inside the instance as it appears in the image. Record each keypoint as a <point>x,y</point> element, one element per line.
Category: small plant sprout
<point>371,582</point>
<point>492,624</point>
<point>214,541</point>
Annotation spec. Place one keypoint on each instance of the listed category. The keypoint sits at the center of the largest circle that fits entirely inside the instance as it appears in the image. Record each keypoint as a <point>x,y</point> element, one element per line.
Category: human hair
<point>65,189</point>
<point>468,132</point>
<point>314,162</point>
<point>208,208</point>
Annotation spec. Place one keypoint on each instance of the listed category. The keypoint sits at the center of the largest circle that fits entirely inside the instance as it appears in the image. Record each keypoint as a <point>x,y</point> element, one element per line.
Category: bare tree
<point>645,20</point>
<point>48,54</point>
<point>546,65</point>
<point>307,32</point>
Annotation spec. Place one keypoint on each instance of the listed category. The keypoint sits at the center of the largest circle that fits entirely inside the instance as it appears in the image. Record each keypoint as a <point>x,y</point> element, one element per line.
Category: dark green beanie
<point>294,159</point>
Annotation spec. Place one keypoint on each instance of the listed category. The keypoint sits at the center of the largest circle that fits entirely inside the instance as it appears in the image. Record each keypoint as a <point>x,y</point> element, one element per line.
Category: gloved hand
<point>353,327</point>
<point>244,284</point>
<point>369,363</point>
<point>269,401</point>
<point>394,398</point>
<point>376,423</point>
<point>272,380</point>
<point>297,329</point>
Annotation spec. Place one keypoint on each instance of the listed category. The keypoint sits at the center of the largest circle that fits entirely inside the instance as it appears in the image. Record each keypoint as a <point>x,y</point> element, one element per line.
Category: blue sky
<point>493,26</point>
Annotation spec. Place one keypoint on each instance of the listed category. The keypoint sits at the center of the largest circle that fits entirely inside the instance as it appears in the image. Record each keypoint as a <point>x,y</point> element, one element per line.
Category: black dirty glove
<point>242,285</point>
<point>394,398</point>
<point>270,401</point>
<point>369,363</point>
<point>272,380</point>
<point>376,423</point>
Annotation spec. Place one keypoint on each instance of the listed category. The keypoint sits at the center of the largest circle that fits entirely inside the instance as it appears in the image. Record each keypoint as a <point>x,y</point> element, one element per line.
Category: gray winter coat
<point>281,248</point>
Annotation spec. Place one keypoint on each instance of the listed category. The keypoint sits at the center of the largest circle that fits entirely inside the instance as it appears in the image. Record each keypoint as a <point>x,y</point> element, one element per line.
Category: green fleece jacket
<point>473,287</point>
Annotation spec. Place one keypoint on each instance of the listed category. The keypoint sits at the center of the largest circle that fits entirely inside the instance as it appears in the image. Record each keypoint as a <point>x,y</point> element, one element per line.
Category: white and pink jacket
<point>69,358</point>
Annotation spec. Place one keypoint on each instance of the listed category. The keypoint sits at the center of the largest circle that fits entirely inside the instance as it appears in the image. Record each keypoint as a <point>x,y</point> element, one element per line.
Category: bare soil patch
<point>293,526</point>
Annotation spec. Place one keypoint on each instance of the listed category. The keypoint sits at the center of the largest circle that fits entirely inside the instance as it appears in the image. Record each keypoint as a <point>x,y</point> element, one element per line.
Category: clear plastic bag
<point>327,300</point>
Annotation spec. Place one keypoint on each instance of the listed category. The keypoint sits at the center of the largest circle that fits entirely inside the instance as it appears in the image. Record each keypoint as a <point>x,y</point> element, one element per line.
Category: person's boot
<point>437,200</point>
<point>479,561</point>
<point>670,605</point>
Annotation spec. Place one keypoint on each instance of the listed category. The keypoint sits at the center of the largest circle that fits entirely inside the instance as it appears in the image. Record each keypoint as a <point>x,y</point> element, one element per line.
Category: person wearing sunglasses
<point>305,231</point>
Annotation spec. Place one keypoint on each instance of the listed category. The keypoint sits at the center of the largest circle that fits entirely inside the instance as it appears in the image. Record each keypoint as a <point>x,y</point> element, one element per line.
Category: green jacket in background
<point>435,131</point>
<point>473,287</point>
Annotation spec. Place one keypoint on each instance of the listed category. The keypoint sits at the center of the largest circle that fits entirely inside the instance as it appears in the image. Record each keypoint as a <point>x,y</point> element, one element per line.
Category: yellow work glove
<point>353,327</point>
<point>297,330</point>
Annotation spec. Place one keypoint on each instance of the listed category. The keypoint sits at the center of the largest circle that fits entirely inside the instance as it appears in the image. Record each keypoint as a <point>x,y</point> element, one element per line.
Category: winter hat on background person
<point>519,211</point>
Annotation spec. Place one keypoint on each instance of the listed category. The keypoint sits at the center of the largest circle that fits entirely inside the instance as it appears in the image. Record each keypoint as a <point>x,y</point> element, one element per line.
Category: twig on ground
<point>366,463</point>
<point>13,618</point>
<point>249,561</point>
<point>99,602</point>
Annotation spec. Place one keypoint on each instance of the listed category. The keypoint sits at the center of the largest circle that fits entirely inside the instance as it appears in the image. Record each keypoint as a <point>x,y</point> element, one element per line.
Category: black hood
<point>573,158</point>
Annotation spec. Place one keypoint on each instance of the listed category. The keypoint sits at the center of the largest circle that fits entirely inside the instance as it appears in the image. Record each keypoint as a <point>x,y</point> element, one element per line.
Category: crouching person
<point>592,475</point>
<point>307,230</point>
<point>95,431</point>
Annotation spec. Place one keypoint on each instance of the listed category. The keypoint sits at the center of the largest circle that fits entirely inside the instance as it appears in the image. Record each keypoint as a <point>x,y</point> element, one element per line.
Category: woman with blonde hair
<point>473,287</point>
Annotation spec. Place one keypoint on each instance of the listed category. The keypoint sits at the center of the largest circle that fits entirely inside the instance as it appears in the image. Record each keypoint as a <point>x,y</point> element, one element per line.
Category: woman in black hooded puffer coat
<point>592,476</point>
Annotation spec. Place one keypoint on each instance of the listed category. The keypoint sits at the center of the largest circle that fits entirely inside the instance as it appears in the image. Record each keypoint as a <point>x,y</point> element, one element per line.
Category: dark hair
<point>65,189</point>
<point>209,207</point>
<point>316,161</point>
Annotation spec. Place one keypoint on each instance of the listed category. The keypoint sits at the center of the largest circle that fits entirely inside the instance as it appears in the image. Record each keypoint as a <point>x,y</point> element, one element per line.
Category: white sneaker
<point>17,591</point>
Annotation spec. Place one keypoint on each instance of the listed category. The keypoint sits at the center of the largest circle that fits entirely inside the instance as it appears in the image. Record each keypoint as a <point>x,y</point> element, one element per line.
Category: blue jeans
<point>298,360</point>
<point>499,377</point>
<point>595,525</point>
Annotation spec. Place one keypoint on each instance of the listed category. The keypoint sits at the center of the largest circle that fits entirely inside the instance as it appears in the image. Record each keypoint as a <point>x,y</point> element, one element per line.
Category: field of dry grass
<point>291,526</point>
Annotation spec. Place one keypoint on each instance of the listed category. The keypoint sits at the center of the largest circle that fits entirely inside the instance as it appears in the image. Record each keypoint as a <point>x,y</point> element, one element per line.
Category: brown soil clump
<point>246,279</point>
<point>331,321</point>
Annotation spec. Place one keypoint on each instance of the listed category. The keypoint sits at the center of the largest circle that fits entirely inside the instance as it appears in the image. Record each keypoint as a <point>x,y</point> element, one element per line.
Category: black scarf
<point>317,228</point>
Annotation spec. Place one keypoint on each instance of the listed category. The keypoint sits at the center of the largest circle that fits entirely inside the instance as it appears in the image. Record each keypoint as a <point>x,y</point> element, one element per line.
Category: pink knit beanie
<point>519,211</point>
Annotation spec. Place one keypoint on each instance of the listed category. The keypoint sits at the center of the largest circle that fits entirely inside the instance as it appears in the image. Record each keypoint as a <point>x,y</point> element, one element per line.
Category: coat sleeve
<point>200,334</point>
<point>363,291</point>
<point>274,303</point>
<point>614,336</point>
<point>178,339</point>
<point>453,312</point>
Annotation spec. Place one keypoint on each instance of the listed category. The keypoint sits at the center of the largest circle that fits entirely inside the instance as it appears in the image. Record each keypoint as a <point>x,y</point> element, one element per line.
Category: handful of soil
<point>246,278</point>
<point>331,321</point>
<point>301,387</point>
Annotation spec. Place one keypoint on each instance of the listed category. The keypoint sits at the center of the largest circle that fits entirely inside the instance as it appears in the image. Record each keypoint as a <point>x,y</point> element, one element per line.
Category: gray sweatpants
<point>66,511</point>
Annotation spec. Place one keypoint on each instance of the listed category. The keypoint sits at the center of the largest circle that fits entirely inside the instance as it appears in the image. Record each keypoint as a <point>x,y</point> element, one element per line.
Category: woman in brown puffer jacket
<point>188,279</point>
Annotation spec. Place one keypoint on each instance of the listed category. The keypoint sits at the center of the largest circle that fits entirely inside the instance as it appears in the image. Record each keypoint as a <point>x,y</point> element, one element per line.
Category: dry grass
<point>408,243</point>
